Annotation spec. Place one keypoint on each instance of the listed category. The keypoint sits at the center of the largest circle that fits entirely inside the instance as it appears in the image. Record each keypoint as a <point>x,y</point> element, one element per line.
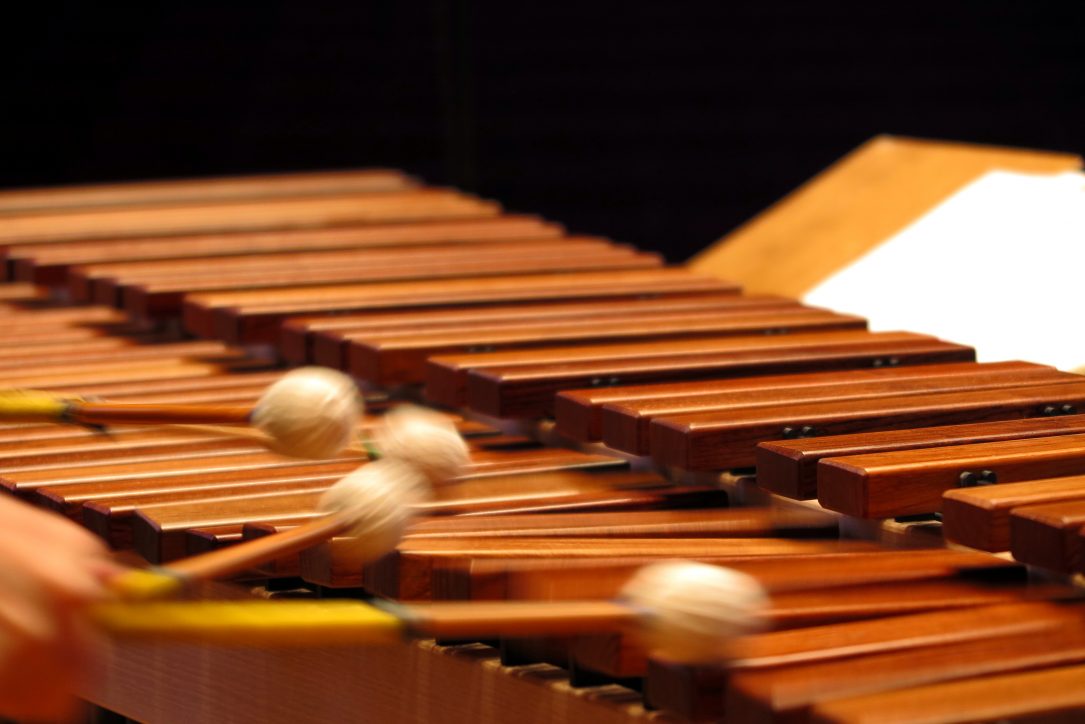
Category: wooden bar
<point>400,358</point>
<point>83,443</point>
<point>213,537</point>
<point>107,283</point>
<point>625,519</point>
<point>515,489</point>
<point>36,319</point>
<point>49,263</point>
<point>20,339</point>
<point>713,442</point>
<point>197,190</point>
<point>524,384</point>
<point>206,467</point>
<point>194,268</point>
<point>575,500</point>
<point>63,345</point>
<point>979,517</point>
<point>1052,694</point>
<point>576,490</point>
<point>803,609</point>
<point>158,529</point>
<point>255,316</point>
<point>700,692</point>
<point>106,450</point>
<point>578,413</point>
<point>407,574</point>
<point>820,607</point>
<point>123,373</point>
<point>907,482</point>
<point>244,215</point>
<point>19,294</point>
<point>129,353</point>
<point>469,578</point>
<point>789,467</point>
<point>789,691</point>
<point>164,296</point>
<point>112,519</point>
<point>700,523</point>
<point>1048,535</point>
<point>23,481</point>
<point>625,426</point>
<point>235,383</point>
<point>707,344</point>
<point>542,504</point>
<point>306,339</point>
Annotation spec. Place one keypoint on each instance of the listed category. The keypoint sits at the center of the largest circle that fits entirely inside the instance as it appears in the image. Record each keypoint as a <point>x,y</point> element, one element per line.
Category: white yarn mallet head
<point>425,439</point>
<point>419,449</point>
<point>310,412</point>
<point>376,502</point>
<point>692,611</point>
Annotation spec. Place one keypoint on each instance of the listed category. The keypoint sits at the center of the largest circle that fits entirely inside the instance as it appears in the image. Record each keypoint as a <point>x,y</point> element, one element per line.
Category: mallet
<point>372,506</point>
<point>310,412</point>
<point>688,612</point>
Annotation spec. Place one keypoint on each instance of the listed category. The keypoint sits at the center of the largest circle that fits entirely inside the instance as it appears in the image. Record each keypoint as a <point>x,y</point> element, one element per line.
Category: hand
<point>50,571</point>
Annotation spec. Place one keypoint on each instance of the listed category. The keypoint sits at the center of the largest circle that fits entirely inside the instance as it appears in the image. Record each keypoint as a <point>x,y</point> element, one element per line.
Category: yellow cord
<point>252,623</point>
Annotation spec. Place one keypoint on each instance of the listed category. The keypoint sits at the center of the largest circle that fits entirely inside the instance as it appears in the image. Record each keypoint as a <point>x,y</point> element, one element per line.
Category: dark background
<point>665,124</point>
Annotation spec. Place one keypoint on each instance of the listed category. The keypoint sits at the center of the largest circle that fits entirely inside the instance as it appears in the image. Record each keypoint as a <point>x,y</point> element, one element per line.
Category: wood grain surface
<point>254,315</point>
<point>625,426</point>
<point>1047,535</point>
<point>906,482</point>
<point>51,199</point>
<point>790,690</point>
<point>525,385</point>
<point>980,517</point>
<point>322,339</point>
<point>777,660</point>
<point>243,215</point>
<point>151,297</point>
<point>789,467</point>
<point>408,573</point>
<point>49,263</point>
<point>709,441</point>
<point>578,413</point>
<point>400,358</point>
<point>1050,694</point>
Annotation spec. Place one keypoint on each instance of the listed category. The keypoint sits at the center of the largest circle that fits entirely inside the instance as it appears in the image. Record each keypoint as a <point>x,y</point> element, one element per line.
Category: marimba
<point>617,410</point>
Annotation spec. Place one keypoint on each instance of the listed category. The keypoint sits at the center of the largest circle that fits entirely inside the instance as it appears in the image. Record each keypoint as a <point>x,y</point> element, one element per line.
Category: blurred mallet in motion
<point>310,412</point>
<point>685,612</point>
<point>372,506</point>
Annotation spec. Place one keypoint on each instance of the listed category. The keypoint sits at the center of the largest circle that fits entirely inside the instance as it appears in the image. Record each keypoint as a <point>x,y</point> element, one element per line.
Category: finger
<point>26,522</point>
<point>54,571</point>
<point>25,611</point>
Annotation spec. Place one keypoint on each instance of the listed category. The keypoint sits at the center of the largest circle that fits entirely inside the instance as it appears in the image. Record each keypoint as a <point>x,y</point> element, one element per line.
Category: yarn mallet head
<point>419,449</point>
<point>371,506</point>
<point>310,412</point>
<point>687,613</point>
<point>426,439</point>
<point>691,612</point>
